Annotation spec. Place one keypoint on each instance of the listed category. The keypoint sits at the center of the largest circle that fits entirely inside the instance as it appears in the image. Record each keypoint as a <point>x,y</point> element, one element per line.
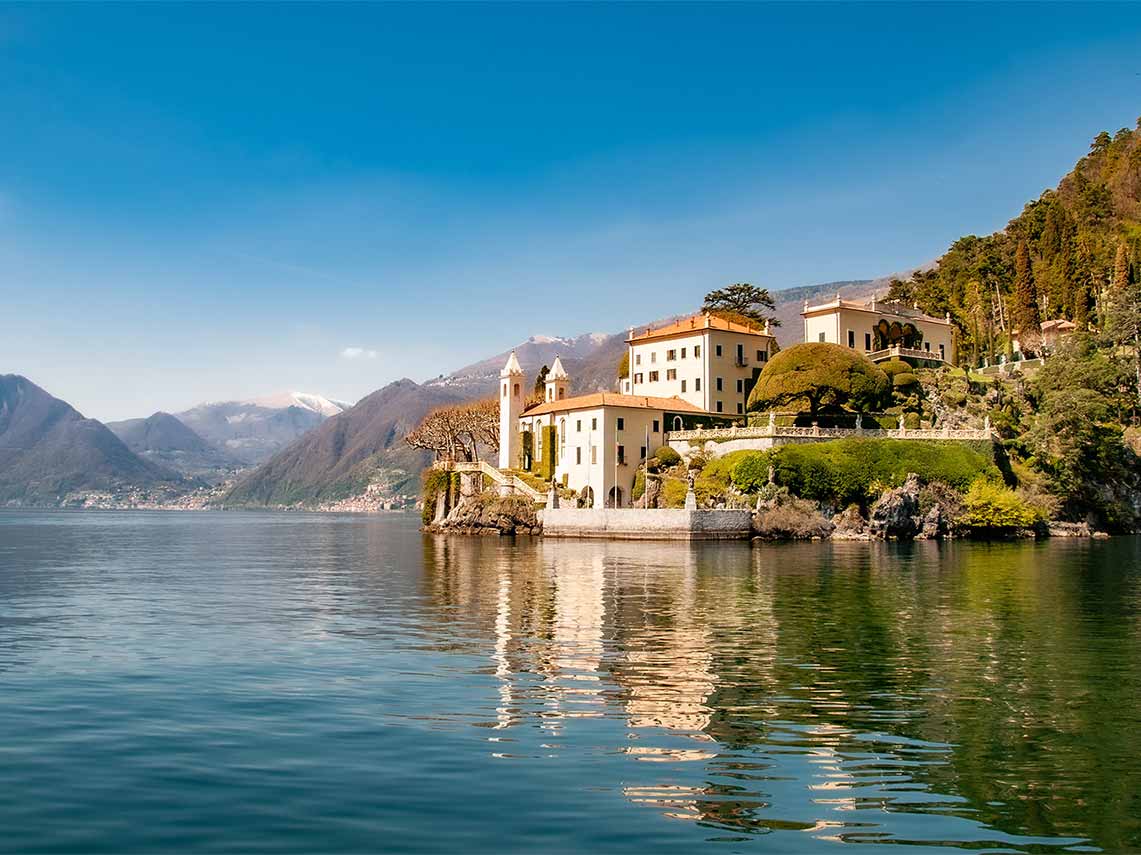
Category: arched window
<point>677,422</point>
<point>504,390</point>
<point>562,435</point>
<point>516,389</point>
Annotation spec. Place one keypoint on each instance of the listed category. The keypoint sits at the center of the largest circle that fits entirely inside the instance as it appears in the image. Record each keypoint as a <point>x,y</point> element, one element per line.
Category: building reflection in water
<point>802,689</point>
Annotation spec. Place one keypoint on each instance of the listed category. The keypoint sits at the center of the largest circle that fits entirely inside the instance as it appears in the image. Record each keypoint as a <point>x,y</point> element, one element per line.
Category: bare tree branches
<point>458,432</point>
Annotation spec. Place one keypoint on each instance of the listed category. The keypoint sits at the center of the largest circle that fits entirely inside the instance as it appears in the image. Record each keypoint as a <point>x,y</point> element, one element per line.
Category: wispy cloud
<point>358,353</point>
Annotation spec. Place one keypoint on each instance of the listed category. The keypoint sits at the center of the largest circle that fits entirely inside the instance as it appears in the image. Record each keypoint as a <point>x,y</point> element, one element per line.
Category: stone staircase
<point>505,479</point>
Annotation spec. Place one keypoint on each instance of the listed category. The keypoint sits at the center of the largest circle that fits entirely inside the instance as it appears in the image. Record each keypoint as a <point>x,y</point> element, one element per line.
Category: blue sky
<point>209,202</point>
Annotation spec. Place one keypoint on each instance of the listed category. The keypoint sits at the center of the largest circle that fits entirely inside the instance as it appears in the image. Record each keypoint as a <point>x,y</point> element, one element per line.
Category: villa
<point>882,330</point>
<point>694,372</point>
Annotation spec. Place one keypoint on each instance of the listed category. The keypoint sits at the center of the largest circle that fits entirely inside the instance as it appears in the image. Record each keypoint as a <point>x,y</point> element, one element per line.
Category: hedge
<point>844,471</point>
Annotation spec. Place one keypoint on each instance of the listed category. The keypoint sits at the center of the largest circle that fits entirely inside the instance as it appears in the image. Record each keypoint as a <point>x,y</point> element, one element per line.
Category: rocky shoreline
<point>912,511</point>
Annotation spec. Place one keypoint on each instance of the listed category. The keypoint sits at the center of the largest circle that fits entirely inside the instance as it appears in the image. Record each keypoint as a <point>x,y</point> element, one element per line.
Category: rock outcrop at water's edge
<point>895,515</point>
<point>489,513</point>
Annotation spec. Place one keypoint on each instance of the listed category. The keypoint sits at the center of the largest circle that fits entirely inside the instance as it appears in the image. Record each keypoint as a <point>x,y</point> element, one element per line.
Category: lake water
<point>219,682</point>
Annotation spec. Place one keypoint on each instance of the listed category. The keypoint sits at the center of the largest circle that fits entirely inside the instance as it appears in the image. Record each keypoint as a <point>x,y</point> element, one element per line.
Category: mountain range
<point>252,431</point>
<point>49,451</point>
<point>169,442</point>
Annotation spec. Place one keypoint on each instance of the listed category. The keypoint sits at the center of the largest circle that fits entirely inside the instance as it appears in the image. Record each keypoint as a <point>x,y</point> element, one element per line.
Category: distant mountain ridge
<point>164,439</point>
<point>49,451</point>
<point>361,446</point>
<point>253,431</point>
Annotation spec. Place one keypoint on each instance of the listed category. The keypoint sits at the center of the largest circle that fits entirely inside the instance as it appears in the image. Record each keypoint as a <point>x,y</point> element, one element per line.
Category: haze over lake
<point>208,682</point>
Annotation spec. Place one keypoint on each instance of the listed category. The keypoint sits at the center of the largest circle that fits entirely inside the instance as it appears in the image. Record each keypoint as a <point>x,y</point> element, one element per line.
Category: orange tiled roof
<point>694,323</point>
<point>613,399</point>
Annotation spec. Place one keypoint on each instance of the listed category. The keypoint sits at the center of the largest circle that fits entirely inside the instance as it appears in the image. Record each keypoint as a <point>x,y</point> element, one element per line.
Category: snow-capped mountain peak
<point>306,401</point>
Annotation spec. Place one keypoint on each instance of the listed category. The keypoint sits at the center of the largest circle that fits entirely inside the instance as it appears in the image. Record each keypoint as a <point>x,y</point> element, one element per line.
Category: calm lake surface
<point>221,682</point>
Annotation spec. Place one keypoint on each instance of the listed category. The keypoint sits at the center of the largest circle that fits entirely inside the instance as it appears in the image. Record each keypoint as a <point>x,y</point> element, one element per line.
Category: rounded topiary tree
<point>900,373</point>
<point>817,376</point>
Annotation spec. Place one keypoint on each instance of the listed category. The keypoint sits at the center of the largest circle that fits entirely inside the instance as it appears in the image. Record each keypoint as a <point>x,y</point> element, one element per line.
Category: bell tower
<point>510,408</point>
<point>557,381</point>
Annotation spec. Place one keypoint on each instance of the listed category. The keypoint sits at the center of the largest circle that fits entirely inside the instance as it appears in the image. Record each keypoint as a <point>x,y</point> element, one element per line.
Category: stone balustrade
<point>816,432</point>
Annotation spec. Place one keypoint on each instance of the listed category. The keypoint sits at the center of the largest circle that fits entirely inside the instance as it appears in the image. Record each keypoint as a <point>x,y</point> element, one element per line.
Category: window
<point>718,350</point>
<point>697,384</point>
<point>642,455</point>
<point>594,454</point>
<point>719,384</point>
<point>696,351</point>
<point>578,456</point>
<point>740,354</point>
<point>683,353</point>
<point>638,359</point>
<point>671,373</point>
<point>821,338</point>
<point>621,424</point>
<point>740,385</point>
<point>657,427</point>
<point>852,339</point>
<point>563,435</point>
<point>638,378</point>
<point>762,356</point>
<point>653,376</point>
<point>683,385</point>
<point>867,341</point>
<point>719,407</point>
<point>516,388</point>
<point>594,424</point>
<point>927,346</point>
<point>671,355</point>
<point>621,455</point>
<point>740,407</point>
<point>504,390</point>
<point>578,425</point>
<point>677,423</point>
<point>653,357</point>
<point>942,352</point>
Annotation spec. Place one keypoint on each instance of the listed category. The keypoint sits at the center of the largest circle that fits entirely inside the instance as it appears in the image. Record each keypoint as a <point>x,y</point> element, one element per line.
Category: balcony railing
<point>897,352</point>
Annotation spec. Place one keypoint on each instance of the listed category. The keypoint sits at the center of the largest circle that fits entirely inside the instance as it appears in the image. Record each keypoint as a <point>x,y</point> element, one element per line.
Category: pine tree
<point>1025,311</point>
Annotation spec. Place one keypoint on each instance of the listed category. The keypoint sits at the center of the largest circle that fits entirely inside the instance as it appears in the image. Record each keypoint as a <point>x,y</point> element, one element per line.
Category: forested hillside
<point>1060,258</point>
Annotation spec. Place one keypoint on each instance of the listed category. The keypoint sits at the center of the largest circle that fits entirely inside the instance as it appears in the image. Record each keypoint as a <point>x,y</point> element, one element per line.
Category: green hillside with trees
<point>1070,254</point>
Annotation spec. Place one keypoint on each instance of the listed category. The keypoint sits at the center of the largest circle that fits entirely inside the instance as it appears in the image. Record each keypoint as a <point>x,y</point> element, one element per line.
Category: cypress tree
<point>1120,322</point>
<point>1025,315</point>
<point>1081,307</point>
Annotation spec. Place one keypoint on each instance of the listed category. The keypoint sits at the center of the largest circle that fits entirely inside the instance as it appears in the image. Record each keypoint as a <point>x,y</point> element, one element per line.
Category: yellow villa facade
<point>881,330</point>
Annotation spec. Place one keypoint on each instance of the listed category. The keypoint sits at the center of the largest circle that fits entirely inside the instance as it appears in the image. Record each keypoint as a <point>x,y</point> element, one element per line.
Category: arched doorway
<point>614,498</point>
<point>677,423</point>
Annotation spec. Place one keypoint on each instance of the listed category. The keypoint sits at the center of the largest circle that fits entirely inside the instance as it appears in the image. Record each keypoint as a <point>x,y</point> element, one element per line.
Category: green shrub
<point>545,467</point>
<point>844,471</point>
<point>431,483</point>
<point>673,492</point>
<point>991,507</point>
<point>666,456</point>
<point>750,471</point>
<point>639,488</point>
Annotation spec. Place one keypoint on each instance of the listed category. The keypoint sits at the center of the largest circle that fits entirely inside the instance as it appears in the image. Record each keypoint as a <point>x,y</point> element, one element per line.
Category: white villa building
<point>882,330</point>
<point>695,372</point>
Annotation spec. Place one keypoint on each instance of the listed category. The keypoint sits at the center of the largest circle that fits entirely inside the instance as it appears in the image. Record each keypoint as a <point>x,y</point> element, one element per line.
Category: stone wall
<point>647,524</point>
